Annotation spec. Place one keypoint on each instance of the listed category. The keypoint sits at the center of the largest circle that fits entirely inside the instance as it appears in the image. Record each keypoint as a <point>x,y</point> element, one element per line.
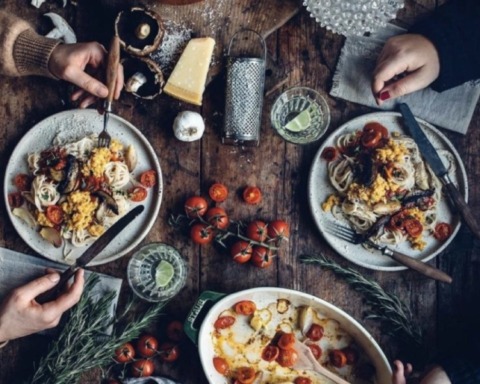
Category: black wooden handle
<point>463,208</point>
<point>419,266</point>
<point>54,292</point>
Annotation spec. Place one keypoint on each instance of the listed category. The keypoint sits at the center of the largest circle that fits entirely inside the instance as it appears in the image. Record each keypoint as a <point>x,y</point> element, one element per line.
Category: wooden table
<point>309,53</point>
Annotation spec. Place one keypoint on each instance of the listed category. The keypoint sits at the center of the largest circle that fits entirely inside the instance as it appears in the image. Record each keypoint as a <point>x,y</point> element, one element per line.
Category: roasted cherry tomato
<point>168,352</point>
<point>195,206</point>
<point>442,231</point>
<point>245,375</point>
<point>137,194</point>
<point>15,199</point>
<point>125,353</point>
<point>302,380</point>
<point>377,127</point>
<point>396,222</point>
<point>371,139</point>
<point>338,358</point>
<point>262,257</point>
<point>287,357</point>
<point>329,154</point>
<point>286,341</point>
<point>55,214</point>
<point>93,183</point>
<point>142,368</point>
<point>218,192</point>
<point>278,230</point>
<point>316,350</point>
<point>175,330</point>
<point>148,178</point>
<point>245,307</point>
<point>315,332</point>
<point>201,234</point>
<point>257,231</point>
<point>351,354</point>
<point>270,353</point>
<point>147,345</point>
<point>224,322</point>
<point>252,195</point>
<point>221,365</point>
<point>241,251</point>
<point>217,217</point>
<point>61,164</point>
<point>413,227</point>
<point>22,182</point>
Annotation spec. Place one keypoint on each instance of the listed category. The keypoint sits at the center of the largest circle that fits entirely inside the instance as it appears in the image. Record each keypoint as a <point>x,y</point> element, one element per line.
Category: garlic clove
<point>188,126</point>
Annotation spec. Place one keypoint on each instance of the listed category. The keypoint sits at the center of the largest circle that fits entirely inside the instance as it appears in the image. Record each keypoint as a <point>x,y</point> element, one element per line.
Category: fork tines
<point>343,233</point>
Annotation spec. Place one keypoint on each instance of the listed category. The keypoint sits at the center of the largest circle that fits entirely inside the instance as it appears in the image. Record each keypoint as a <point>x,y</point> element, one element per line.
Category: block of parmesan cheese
<point>187,81</point>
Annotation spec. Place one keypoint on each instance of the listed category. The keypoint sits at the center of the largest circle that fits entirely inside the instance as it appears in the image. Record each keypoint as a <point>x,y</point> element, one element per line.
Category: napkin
<point>452,109</point>
<point>17,269</point>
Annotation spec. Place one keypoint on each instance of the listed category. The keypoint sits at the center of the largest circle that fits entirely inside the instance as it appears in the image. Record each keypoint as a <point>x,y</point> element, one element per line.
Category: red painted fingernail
<point>385,95</point>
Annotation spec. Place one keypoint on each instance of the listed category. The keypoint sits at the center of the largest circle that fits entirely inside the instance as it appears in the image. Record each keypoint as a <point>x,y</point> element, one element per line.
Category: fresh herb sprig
<point>395,317</point>
<point>82,344</point>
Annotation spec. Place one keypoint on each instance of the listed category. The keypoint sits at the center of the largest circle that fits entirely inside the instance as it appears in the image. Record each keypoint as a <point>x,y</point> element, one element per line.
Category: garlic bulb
<point>188,126</point>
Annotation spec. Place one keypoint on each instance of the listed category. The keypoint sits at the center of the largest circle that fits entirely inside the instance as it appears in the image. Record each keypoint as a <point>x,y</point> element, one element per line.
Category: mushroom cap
<point>155,81</point>
<point>126,25</point>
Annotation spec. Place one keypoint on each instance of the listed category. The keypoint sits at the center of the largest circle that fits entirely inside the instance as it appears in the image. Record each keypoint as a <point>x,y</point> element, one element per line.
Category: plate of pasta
<point>63,191</point>
<point>369,175</point>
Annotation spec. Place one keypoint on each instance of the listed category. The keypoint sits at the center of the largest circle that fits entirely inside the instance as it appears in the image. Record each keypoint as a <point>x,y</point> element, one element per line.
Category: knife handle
<point>54,292</point>
<point>112,67</point>
<point>419,266</point>
<point>463,208</point>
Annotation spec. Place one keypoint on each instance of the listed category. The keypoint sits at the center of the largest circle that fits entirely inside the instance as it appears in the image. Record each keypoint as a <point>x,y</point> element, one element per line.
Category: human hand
<point>400,372</point>
<point>412,56</point>
<point>70,62</point>
<point>21,315</point>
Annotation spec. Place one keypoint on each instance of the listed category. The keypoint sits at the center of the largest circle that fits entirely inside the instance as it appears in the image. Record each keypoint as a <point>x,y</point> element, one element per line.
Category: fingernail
<point>385,95</point>
<point>54,277</point>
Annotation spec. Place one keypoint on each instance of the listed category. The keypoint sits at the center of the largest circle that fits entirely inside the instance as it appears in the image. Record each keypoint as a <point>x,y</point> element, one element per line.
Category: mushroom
<point>37,3</point>
<point>135,82</point>
<point>142,31</point>
<point>62,30</point>
<point>145,77</point>
<point>188,126</point>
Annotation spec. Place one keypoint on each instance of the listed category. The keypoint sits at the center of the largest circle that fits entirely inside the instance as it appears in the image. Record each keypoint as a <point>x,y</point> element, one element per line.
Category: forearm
<point>22,51</point>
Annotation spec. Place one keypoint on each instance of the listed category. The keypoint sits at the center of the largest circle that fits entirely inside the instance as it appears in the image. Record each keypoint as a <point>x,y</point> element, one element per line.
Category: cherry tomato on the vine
<point>221,365</point>
<point>218,192</point>
<point>201,234</point>
<point>55,214</point>
<point>175,330</point>
<point>257,231</point>
<point>252,195</point>
<point>147,345</point>
<point>338,358</point>
<point>442,231</point>
<point>148,178</point>
<point>142,368</point>
<point>315,332</point>
<point>195,206</point>
<point>168,352</point>
<point>278,230</point>
<point>262,257</point>
<point>217,217</point>
<point>245,307</point>
<point>270,353</point>
<point>241,251</point>
<point>224,322</point>
<point>125,353</point>
<point>137,194</point>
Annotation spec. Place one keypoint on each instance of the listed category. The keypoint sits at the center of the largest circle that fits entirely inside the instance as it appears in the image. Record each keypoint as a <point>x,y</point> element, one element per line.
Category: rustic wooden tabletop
<point>305,54</point>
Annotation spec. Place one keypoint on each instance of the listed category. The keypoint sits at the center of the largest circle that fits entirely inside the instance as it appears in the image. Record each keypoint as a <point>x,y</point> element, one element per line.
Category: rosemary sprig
<point>82,343</point>
<point>395,317</point>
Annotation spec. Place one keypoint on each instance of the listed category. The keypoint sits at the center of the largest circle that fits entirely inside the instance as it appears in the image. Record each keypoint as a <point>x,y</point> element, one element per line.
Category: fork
<point>112,71</point>
<point>349,235</point>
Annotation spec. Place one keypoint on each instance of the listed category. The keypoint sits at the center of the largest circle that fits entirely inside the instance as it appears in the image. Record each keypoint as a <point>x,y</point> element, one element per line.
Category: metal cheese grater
<point>244,95</point>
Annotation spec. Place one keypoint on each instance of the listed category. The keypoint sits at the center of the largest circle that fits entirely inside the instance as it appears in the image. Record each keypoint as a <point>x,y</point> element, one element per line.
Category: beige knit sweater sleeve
<point>22,51</point>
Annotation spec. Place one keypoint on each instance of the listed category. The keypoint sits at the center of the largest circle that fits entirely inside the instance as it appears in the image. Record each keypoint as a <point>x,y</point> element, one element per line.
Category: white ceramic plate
<point>319,188</point>
<point>73,125</point>
<point>263,296</point>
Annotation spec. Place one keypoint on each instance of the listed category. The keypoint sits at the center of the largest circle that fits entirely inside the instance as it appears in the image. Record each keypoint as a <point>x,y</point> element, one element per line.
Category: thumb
<point>408,84</point>
<point>78,77</point>
<point>38,286</point>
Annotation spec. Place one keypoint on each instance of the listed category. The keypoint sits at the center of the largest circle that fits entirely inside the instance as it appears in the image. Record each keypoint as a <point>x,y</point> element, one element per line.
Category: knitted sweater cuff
<point>32,53</point>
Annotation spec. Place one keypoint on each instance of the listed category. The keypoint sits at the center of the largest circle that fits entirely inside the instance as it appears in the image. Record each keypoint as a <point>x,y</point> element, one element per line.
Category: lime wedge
<point>300,122</point>
<point>163,274</point>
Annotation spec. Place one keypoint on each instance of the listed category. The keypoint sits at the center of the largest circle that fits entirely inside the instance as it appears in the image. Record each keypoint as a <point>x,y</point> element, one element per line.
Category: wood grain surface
<point>302,53</point>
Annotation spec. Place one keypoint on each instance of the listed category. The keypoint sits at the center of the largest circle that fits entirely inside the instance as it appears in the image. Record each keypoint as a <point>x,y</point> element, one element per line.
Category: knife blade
<point>90,254</point>
<point>433,159</point>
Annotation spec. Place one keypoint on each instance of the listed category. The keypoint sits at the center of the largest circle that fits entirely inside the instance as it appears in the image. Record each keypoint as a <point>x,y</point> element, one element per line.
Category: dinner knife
<point>431,155</point>
<point>90,254</point>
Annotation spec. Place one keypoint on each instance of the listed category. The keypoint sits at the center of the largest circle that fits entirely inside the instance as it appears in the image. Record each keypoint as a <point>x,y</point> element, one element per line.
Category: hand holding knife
<point>432,158</point>
<point>90,254</point>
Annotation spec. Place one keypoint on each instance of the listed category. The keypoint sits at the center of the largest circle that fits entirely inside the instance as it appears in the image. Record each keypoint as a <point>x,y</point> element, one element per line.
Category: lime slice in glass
<point>163,274</point>
<point>300,122</point>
